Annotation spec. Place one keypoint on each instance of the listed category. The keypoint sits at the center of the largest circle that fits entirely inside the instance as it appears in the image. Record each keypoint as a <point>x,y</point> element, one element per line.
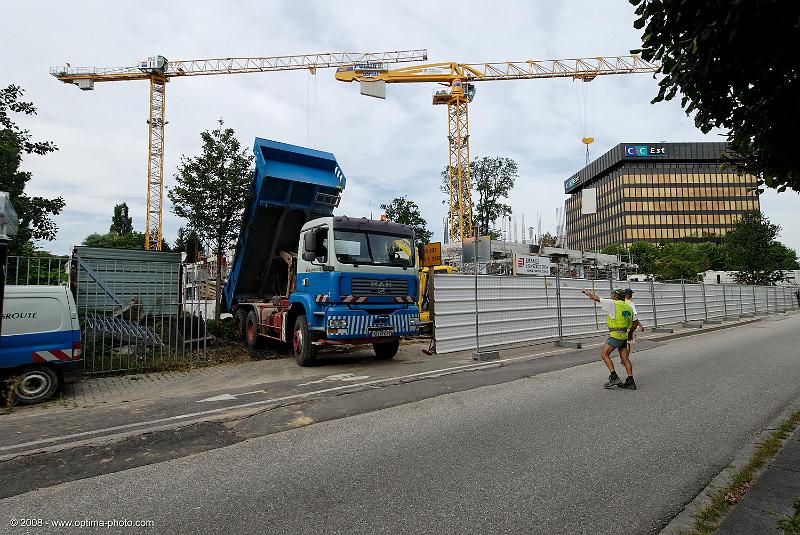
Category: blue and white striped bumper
<point>359,324</point>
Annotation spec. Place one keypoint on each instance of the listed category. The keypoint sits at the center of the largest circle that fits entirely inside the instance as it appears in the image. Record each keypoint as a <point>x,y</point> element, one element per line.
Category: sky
<point>386,148</point>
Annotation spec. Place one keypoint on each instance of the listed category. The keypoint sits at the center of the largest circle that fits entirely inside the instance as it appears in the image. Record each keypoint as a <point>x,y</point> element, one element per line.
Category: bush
<point>222,329</point>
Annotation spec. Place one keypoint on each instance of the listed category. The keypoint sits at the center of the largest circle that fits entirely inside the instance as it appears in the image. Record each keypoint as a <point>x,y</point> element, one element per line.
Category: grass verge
<point>708,519</point>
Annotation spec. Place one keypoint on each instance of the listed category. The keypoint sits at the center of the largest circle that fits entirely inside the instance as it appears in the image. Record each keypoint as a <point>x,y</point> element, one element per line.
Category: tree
<point>35,213</point>
<point>492,179</point>
<point>752,250</point>
<point>188,243</point>
<point>748,87</point>
<point>644,254</point>
<point>132,240</point>
<point>547,240</point>
<point>406,212</point>
<point>615,249</point>
<point>121,222</point>
<point>211,192</point>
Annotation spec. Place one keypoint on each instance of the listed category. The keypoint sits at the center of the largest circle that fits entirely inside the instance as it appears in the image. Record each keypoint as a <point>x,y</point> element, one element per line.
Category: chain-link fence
<point>487,311</point>
<point>138,310</point>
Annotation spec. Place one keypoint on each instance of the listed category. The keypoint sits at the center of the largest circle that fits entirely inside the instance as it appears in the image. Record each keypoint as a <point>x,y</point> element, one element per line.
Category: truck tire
<point>34,384</point>
<point>240,324</point>
<point>304,351</point>
<point>386,350</point>
<point>254,341</point>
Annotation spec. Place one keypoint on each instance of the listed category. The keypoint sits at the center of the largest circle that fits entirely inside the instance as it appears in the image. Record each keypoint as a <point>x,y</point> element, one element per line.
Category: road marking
<point>221,397</point>
<point>337,377</point>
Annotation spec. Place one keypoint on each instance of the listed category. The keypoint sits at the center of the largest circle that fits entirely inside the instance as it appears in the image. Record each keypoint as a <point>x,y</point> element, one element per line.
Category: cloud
<point>386,148</point>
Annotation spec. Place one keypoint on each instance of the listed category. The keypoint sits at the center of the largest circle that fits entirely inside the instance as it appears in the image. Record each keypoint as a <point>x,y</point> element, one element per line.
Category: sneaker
<point>613,380</point>
<point>629,384</point>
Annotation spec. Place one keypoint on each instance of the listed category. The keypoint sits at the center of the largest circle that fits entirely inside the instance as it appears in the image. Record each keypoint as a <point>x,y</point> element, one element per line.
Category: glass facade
<point>658,199</point>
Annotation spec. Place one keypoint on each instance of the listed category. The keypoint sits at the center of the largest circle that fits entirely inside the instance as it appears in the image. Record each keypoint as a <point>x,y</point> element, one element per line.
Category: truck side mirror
<point>309,246</point>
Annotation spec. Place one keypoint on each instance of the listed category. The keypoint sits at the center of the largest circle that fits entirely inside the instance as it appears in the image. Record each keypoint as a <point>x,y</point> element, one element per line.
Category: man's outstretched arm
<point>590,295</point>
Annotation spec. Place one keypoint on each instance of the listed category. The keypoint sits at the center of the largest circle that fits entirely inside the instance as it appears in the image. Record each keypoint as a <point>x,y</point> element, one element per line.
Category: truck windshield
<point>369,248</point>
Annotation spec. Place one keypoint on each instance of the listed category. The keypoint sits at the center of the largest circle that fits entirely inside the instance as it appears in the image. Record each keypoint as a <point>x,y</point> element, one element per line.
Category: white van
<point>41,341</point>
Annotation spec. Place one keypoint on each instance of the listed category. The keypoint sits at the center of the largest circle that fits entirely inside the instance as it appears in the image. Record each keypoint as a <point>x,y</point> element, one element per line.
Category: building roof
<point>640,152</point>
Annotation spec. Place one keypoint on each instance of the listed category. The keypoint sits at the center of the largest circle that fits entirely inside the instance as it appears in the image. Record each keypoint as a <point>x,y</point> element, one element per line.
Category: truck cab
<point>304,276</point>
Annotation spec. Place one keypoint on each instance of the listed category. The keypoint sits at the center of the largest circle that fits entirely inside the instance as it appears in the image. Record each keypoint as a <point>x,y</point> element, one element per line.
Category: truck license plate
<point>382,332</point>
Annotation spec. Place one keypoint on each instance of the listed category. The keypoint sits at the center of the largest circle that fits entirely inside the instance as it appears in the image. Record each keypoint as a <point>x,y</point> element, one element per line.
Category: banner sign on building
<point>644,151</point>
<point>588,201</point>
<point>531,265</point>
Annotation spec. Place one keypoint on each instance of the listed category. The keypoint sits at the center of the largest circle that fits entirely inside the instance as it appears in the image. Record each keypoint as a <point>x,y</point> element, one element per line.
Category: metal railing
<point>134,315</point>
<point>490,311</point>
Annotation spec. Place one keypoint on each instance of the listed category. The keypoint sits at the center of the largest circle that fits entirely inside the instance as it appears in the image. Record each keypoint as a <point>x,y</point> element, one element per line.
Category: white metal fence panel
<point>695,309</point>
<point>669,303</point>
<point>580,315</point>
<point>761,299</point>
<point>716,304</point>
<point>524,310</point>
<point>514,310</point>
<point>454,307</point>
<point>643,299</point>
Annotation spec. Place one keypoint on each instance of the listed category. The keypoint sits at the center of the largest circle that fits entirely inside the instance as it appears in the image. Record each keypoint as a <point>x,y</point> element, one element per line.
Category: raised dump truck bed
<point>291,185</point>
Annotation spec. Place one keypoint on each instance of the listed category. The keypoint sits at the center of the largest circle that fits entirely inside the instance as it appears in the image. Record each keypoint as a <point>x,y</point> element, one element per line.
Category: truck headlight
<point>337,323</point>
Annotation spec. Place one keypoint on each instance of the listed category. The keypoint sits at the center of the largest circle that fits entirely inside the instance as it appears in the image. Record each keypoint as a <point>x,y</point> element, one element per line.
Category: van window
<point>29,314</point>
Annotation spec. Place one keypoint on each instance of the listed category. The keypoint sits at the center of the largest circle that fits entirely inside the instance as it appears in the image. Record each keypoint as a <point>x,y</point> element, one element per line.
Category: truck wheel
<point>386,350</point>
<point>304,352</point>
<point>240,324</point>
<point>251,336</point>
<point>34,384</point>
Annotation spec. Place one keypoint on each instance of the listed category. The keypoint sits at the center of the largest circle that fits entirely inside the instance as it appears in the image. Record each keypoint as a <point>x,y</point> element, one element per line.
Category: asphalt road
<point>553,453</point>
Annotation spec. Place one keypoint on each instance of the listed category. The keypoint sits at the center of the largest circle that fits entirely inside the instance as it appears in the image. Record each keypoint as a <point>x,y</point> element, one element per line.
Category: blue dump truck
<point>304,276</point>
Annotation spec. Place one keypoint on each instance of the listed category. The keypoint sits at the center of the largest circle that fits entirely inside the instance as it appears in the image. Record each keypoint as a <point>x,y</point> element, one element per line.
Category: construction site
<point>370,268</point>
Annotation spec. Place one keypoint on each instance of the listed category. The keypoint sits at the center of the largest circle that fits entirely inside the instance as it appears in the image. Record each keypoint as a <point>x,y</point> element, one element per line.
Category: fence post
<point>653,301</point>
<point>683,292</point>
<point>755,308</point>
<point>477,334</point>
<point>741,303</point>
<point>705,305</point>
<point>724,303</point>
<point>766,297</point>
<point>558,307</point>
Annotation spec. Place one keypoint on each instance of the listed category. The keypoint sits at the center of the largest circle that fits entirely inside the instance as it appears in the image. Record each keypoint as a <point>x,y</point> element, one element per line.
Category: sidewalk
<point>772,494</point>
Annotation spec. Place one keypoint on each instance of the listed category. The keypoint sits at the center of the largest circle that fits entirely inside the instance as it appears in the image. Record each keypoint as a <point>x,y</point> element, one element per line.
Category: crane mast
<point>158,70</point>
<point>459,79</point>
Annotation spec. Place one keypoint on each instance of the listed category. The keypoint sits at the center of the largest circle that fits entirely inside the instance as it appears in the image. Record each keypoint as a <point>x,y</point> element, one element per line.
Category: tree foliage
<point>547,240</point>
<point>492,179</point>
<point>211,191</point>
<point>132,240</point>
<point>406,212</point>
<point>753,251</point>
<point>189,243</point>
<point>737,68</point>
<point>121,222</point>
<point>750,249</point>
<point>35,213</point>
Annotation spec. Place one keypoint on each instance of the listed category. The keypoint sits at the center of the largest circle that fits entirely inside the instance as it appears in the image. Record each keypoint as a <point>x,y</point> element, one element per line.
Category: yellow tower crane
<point>458,79</point>
<point>159,70</point>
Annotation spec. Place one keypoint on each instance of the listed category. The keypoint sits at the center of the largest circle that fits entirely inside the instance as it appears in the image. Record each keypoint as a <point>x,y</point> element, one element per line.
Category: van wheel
<point>240,324</point>
<point>34,384</point>
<point>254,341</point>
<point>304,351</point>
<point>386,350</point>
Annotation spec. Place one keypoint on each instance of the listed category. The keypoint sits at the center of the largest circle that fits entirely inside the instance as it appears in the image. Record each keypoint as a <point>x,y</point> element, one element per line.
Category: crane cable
<point>587,111</point>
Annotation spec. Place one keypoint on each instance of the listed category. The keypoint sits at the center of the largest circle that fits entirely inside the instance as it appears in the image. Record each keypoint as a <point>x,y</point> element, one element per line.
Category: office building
<point>656,192</point>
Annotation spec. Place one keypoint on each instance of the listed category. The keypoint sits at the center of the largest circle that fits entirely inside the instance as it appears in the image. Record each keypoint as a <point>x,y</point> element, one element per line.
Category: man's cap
<point>628,291</point>
<point>620,292</point>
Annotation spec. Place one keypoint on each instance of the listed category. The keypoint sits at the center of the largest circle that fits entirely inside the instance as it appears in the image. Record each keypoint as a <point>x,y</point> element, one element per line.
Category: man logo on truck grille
<point>379,287</point>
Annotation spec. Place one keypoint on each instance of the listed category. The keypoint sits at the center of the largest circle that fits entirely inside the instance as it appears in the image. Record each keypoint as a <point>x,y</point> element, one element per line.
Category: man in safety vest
<point>619,317</point>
